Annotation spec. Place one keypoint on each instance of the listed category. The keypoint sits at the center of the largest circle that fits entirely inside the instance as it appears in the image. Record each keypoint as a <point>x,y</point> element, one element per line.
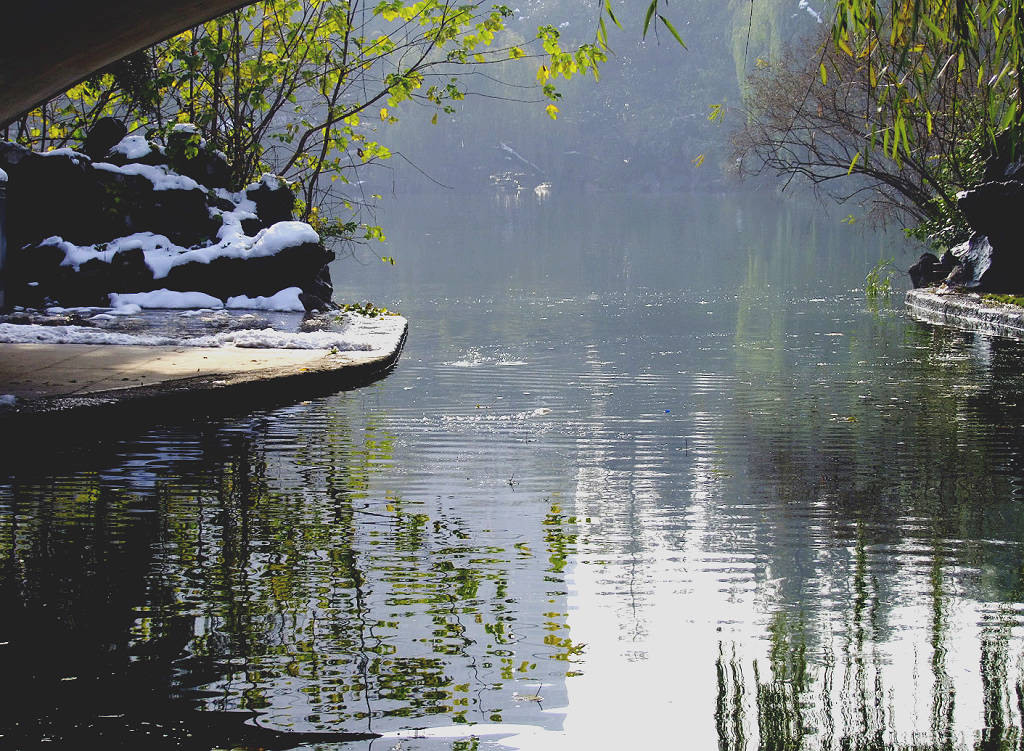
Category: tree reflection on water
<point>214,574</point>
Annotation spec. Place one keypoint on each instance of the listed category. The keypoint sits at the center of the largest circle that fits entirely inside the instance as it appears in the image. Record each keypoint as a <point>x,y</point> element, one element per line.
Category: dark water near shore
<point>650,471</point>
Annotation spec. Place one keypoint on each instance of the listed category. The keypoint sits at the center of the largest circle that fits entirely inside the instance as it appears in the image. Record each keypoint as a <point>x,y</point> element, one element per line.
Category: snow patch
<point>162,177</point>
<point>76,156</point>
<point>359,334</point>
<point>268,179</point>
<point>133,147</point>
<point>162,255</point>
<point>286,300</point>
<point>165,299</point>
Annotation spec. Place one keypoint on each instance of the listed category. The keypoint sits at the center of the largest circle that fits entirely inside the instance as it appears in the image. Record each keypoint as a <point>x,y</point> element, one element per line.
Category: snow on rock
<point>133,147</point>
<point>162,177</point>
<point>162,255</point>
<point>75,156</point>
<point>286,299</point>
<point>148,217</point>
<point>165,299</point>
<point>3,176</point>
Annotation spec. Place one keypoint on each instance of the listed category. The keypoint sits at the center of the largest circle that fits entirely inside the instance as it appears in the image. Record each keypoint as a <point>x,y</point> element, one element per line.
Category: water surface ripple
<point>661,473</point>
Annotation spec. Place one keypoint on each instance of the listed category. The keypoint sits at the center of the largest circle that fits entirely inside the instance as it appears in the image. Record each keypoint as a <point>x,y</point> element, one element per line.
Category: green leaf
<point>1008,116</point>
<point>824,75</point>
<point>611,14</point>
<point>672,29</point>
<point>650,12</point>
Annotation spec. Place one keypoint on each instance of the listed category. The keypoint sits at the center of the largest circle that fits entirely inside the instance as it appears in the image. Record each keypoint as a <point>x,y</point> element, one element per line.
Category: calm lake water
<point>651,472</point>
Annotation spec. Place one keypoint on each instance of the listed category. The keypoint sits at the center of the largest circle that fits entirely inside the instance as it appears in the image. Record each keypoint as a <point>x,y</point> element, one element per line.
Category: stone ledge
<point>240,379</point>
<point>966,311</point>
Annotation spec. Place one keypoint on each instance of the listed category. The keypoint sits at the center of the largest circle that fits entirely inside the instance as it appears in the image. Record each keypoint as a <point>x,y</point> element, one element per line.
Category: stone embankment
<point>967,311</point>
<point>110,385</point>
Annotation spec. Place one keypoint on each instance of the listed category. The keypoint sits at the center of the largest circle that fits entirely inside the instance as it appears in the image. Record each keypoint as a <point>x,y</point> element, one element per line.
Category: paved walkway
<point>65,379</point>
<point>32,371</point>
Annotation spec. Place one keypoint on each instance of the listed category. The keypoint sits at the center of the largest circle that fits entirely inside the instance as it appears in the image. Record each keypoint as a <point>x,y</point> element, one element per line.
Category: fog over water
<point>644,126</point>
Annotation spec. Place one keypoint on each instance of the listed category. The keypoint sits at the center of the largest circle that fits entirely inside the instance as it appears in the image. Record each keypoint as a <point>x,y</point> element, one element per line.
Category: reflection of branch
<point>944,692</point>
<point>357,585</point>
<point>729,714</point>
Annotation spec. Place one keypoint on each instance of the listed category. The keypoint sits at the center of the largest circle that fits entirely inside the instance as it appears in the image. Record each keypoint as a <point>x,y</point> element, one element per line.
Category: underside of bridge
<point>50,45</point>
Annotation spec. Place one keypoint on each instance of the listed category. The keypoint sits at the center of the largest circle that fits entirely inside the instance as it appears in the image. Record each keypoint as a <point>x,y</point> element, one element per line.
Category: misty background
<point>645,126</point>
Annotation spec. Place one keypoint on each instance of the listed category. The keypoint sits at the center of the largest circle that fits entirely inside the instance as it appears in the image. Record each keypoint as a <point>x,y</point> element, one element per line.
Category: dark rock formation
<point>65,195</point>
<point>188,155</point>
<point>105,135</point>
<point>1005,160</point>
<point>274,200</point>
<point>931,270</point>
<point>89,205</point>
<point>994,209</point>
<point>263,276</point>
<point>973,262</point>
<point>992,260</point>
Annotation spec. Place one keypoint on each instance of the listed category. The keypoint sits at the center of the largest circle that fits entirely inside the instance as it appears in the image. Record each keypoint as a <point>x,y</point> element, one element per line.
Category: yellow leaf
<point>433,120</point>
<point>853,163</point>
<point>383,113</point>
<point>698,160</point>
<point>552,111</point>
<point>824,75</point>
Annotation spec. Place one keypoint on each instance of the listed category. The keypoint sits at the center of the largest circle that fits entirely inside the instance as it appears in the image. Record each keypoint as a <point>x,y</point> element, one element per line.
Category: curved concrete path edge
<point>967,311</point>
<point>193,397</point>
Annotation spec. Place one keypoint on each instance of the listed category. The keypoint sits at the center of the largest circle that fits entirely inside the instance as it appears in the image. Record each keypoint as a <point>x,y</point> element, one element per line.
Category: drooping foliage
<point>816,113</point>
<point>911,48</point>
<point>904,96</point>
